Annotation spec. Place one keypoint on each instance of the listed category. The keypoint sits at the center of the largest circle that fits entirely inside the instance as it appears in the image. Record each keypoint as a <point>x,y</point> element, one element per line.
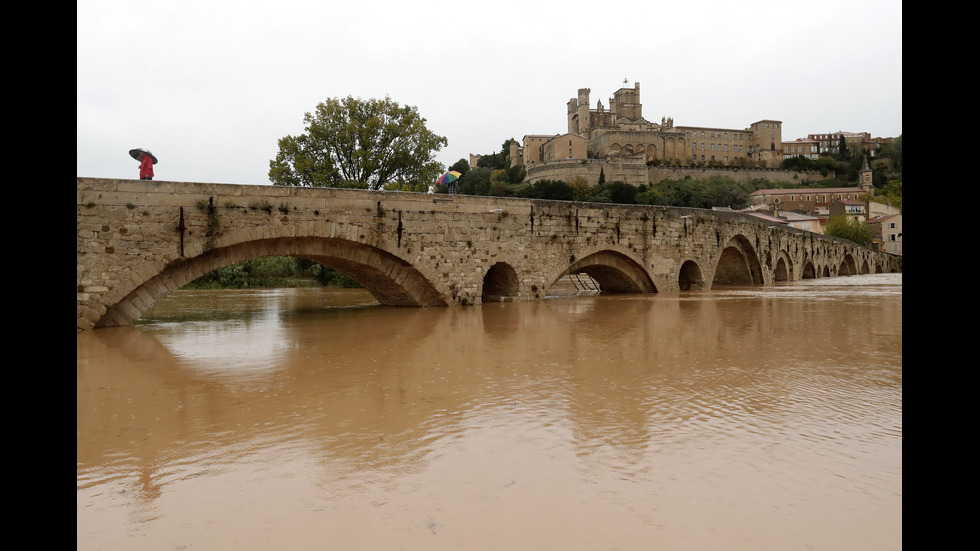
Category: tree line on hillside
<point>687,192</point>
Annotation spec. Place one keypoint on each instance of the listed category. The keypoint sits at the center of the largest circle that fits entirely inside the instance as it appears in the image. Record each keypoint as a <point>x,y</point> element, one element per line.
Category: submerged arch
<point>690,278</point>
<point>738,264</point>
<point>783,271</point>
<point>613,271</point>
<point>848,266</point>
<point>500,283</point>
<point>391,280</point>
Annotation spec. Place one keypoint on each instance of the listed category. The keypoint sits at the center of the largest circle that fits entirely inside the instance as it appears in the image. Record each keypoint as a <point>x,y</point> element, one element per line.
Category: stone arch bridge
<point>139,241</point>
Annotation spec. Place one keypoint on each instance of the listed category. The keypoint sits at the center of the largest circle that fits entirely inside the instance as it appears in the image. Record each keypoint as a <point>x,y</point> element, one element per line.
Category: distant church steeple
<point>864,177</point>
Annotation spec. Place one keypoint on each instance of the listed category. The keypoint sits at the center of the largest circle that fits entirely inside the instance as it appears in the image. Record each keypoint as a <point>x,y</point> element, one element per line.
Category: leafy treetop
<point>359,143</point>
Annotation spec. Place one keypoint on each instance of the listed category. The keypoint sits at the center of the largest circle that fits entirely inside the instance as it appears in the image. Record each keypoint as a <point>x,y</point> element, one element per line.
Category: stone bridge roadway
<point>139,241</point>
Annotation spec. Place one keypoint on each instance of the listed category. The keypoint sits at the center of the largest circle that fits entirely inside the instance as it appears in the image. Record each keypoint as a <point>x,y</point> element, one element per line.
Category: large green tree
<point>360,144</point>
<point>852,230</point>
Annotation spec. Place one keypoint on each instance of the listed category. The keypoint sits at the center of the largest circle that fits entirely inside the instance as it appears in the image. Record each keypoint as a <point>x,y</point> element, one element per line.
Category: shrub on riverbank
<point>272,272</point>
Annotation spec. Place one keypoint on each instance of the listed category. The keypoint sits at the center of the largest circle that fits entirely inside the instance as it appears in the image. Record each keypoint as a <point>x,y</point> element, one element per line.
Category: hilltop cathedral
<point>620,134</point>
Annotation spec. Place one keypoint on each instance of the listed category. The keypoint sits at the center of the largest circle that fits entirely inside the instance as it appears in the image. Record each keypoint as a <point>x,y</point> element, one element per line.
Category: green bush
<point>272,272</point>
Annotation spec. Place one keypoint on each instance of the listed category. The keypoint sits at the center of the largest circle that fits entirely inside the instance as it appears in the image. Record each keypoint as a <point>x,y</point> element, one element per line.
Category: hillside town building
<point>802,147</point>
<point>887,230</point>
<point>829,143</point>
<point>825,202</point>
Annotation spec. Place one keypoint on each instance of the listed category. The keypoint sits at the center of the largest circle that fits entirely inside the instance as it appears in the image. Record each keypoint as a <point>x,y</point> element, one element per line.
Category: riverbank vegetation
<point>272,272</point>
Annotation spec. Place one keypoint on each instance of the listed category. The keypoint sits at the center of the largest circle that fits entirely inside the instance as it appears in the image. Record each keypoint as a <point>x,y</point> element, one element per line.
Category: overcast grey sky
<point>209,86</point>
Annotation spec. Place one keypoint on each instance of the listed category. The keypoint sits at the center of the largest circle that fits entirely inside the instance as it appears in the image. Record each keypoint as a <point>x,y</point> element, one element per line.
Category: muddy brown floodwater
<point>308,419</point>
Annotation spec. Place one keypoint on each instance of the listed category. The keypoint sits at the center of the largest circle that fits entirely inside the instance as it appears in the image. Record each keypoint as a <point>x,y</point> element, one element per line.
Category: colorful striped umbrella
<point>450,176</point>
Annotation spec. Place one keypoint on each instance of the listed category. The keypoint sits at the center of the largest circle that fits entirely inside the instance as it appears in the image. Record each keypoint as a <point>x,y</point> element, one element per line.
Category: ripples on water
<point>747,418</point>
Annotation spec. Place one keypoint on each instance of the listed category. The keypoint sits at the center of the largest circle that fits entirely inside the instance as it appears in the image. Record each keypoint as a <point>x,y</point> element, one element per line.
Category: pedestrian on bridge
<point>450,180</point>
<point>146,159</point>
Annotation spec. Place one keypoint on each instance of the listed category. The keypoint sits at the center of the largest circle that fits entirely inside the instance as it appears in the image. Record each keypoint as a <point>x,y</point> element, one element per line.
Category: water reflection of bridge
<point>138,242</point>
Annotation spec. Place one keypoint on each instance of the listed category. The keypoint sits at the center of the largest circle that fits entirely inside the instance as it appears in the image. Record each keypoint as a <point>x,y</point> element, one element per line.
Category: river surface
<point>766,418</point>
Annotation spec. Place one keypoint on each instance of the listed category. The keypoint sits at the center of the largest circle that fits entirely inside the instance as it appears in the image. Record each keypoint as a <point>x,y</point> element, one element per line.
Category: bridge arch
<point>615,272</point>
<point>848,266</point>
<point>500,283</point>
<point>391,280</point>
<point>783,270</point>
<point>738,264</point>
<point>689,277</point>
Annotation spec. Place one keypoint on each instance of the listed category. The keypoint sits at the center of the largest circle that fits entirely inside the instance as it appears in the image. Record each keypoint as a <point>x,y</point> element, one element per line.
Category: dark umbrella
<point>139,152</point>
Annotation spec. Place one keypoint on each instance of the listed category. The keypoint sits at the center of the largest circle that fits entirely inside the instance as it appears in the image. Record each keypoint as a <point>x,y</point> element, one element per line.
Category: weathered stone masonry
<point>139,241</point>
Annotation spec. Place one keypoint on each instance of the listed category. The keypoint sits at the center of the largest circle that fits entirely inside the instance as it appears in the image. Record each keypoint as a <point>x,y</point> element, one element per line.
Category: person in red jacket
<point>146,167</point>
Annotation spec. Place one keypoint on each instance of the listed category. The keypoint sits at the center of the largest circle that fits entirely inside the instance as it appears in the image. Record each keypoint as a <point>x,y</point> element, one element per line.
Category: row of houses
<point>810,208</point>
<point>815,144</point>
